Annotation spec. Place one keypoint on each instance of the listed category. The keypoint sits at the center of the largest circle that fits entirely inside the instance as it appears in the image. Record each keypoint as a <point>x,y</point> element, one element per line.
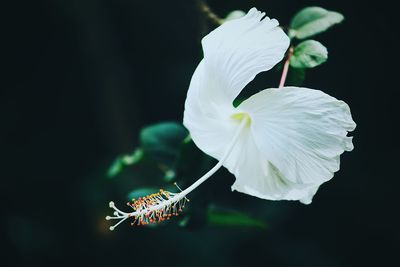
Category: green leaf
<point>115,168</point>
<point>187,139</point>
<point>222,217</point>
<point>141,192</point>
<point>184,221</point>
<point>134,158</point>
<point>126,160</point>
<point>162,141</point>
<point>169,176</point>
<point>308,54</point>
<point>313,20</point>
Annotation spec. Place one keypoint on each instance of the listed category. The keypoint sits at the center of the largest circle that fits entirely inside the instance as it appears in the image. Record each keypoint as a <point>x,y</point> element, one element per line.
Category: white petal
<point>233,54</point>
<point>256,176</point>
<point>239,49</point>
<point>301,132</point>
<point>208,119</point>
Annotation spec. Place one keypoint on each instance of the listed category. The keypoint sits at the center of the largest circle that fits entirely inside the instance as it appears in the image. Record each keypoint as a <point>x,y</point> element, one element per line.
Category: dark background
<point>81,78</point>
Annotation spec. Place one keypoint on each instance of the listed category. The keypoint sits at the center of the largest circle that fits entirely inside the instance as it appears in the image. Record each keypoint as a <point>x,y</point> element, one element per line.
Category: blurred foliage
<point>139,192</point>
<point>126,160</point>
<point>226,217</point>
<point>162,141</point>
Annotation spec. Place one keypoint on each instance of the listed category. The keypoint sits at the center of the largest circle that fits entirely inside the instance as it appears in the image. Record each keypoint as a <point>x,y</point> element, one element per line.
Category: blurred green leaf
<point>313,20</point>
<point>162,141</point>
<point>134,158</point>
<point>169,176</point>
<point>115,168</point>
<point>235,14</point>
<point>141,192</point>
<point>308,54</point>
<point>184,221</point>
<point>218,216</point>
<point>126,160</point>
<point>187,139</point>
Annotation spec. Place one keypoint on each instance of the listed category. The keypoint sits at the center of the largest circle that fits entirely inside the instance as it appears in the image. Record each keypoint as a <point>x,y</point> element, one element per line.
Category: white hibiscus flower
<point>280,144</point>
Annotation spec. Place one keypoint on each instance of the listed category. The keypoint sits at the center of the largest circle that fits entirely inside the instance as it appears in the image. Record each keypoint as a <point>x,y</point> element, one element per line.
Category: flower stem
<point>286,67</point>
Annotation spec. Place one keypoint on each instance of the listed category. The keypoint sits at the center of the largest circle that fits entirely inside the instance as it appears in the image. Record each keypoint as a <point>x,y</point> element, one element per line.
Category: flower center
<point>241,116</point>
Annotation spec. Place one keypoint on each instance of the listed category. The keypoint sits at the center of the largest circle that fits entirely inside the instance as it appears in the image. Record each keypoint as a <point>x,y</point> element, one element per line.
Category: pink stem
<point>286,67</point>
